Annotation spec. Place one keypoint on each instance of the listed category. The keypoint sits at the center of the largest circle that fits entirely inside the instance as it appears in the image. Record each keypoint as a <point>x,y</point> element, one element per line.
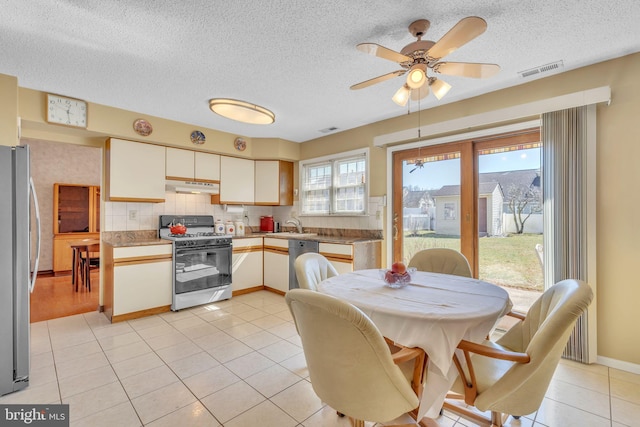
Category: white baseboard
<point>619,364</point>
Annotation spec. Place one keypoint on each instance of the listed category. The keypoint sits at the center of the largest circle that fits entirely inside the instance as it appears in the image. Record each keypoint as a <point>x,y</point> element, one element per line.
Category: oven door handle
<point>191,251</point>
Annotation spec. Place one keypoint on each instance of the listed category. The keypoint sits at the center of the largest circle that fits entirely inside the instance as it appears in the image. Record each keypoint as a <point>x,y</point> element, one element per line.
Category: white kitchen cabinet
<point>138,281</point>
<point>276,264</point>
<point>247,265</point>
<point>237,178</point>
<point>273,182</point>
<point>339,255</point>
<point>180,164</point>
<point>187,165</point>
<point>136,171</point>
<point>207,167</point>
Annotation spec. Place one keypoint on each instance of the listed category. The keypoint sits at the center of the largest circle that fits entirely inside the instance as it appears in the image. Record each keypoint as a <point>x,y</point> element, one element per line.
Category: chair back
<point>348,359</point>
<point>543,335</point>
<point>312,268</point>
<point>441,260</point>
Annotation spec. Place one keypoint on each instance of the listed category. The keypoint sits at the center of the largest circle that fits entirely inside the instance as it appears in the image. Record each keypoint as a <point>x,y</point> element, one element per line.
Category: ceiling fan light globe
<point>401,97</point>
<point>440,88</point>
<point>416,78</point>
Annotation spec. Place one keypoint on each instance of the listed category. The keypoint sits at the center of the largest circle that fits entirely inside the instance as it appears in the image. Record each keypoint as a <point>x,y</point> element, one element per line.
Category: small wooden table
<point>79,246</point>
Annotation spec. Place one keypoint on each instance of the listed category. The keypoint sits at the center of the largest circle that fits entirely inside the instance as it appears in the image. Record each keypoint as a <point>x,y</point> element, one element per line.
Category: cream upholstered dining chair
<point>511,375</point>
<point>441,260</point>
<point>311,269</point>
<point>349,362</point>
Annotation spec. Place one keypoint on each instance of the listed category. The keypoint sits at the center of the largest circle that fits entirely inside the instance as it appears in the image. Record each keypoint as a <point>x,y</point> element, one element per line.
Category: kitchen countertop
<point>137,242</point>
<point>316,238</point>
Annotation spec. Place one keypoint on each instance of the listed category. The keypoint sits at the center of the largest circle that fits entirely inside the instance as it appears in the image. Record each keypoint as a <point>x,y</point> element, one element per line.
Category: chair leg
<point>356,423</point>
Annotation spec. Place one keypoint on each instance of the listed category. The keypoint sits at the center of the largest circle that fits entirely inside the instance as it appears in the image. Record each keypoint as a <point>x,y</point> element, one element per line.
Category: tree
<point>518,198</point>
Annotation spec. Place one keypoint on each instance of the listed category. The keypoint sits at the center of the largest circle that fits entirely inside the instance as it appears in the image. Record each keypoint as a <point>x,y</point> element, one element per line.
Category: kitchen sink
<point>293,235</point>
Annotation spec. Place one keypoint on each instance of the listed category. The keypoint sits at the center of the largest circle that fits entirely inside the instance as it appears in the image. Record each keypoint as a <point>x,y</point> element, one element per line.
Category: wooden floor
<point>53,297</point>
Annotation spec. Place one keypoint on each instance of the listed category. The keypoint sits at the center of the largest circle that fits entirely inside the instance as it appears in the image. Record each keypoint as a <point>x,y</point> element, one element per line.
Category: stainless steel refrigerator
<point>16,280</point>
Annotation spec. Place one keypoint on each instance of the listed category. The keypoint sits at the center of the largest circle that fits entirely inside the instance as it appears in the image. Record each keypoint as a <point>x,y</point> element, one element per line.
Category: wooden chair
<point>312,268</point>
<point>88,258</point>
<point>349,362</point>
<point>511,375</point>
<point>441,260</point>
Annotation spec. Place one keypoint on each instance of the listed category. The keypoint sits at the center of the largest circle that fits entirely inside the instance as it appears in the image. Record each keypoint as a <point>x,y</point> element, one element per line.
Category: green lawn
<point>506,261</point>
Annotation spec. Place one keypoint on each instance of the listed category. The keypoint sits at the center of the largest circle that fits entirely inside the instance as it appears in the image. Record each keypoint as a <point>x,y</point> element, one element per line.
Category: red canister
<point>266,224</point>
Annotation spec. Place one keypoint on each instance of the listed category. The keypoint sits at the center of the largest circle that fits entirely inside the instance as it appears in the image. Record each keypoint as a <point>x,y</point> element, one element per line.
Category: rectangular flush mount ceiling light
<point>241,111</point>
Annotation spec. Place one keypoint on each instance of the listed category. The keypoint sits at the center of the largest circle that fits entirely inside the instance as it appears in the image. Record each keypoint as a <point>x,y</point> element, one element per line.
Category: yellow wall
<point>8,110</point>
<point>105,122</point>
<point>618,151</point>
<point>617,174</point>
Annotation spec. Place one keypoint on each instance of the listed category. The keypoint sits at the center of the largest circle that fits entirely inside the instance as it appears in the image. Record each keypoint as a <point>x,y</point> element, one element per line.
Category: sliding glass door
<point>480,197</point>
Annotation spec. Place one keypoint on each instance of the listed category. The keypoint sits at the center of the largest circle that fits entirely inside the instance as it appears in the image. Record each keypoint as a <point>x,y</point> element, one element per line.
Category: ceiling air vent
<point>327,130</point>
<point>541,69</point>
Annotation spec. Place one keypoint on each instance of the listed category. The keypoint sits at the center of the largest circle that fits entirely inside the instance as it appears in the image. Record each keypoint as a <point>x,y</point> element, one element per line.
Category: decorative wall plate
<point>198,137</point>
<point>142,127</point>
<point>240,144</point>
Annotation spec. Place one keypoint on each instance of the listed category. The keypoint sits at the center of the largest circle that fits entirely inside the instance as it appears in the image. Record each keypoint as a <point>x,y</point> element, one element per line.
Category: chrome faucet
<point>296,222</point>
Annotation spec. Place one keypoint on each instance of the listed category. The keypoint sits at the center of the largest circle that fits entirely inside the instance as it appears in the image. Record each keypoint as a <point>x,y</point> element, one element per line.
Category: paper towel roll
<point>232,209</point>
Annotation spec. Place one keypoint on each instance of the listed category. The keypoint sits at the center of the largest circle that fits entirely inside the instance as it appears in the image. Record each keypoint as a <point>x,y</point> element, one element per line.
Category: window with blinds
<point>336,186</point>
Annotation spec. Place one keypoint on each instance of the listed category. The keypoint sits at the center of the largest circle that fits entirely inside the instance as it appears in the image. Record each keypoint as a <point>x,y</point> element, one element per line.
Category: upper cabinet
<point>207,167</point>
<point>192,165</point>
<point>236,180</point>
<point>273,182</point>
<point>76,216</point>
<point>135,172</point>
<point>76,208</point>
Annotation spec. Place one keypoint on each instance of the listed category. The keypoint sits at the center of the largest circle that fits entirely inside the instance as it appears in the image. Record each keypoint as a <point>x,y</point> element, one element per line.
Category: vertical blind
<point>566,192</point>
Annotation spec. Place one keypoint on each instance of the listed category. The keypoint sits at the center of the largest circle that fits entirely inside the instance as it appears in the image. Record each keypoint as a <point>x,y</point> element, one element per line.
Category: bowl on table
<point>397,280</point>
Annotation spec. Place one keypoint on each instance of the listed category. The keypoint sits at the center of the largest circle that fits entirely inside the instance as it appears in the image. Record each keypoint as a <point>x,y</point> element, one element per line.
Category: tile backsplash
<point>131,216</point>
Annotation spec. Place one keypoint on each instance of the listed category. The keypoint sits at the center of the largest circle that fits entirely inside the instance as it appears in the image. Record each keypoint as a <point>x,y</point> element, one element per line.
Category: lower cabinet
<point>247,265</point>
<point>276,264</point>
<point>62,252</point>
<point>138,281</point>
<point>339,255</point>
<point>353,256</point>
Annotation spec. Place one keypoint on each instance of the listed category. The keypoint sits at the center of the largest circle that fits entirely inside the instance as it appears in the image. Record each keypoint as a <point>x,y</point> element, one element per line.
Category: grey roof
<point>412,198</point>
<point>454,190</point>
<point>488,182</point>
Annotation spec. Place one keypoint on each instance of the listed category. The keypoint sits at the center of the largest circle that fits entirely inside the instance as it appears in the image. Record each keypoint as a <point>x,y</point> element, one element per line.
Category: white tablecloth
<point>434,312</point>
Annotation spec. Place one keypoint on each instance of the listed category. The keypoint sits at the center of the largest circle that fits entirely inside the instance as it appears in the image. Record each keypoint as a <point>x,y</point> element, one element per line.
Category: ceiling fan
<point>415,58</point>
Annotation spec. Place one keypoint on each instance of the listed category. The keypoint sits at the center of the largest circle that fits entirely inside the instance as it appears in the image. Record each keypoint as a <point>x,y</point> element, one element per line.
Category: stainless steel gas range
<point>202,261</point>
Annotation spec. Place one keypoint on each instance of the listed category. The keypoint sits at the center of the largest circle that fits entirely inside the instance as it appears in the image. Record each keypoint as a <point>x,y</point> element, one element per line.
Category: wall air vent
<point>330,129</point>
<point>541,69</point>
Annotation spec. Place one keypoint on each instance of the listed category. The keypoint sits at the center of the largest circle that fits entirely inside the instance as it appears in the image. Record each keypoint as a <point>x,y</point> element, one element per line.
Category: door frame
<point>468,149</point>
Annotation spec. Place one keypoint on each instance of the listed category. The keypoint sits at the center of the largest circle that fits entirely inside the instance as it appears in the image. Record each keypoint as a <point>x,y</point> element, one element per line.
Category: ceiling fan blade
<point>378,79</point>
<point>382,52</point>
<point>420,93</point>
<point>463,32</point>
<point>467,69</point>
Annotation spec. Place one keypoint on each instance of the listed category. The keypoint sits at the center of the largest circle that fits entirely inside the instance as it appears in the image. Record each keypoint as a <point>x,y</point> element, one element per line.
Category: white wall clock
<point>62,110</point>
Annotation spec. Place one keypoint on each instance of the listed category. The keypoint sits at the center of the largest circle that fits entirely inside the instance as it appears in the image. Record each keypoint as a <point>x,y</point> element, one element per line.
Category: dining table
<point>432,311</point>
<point>79,246</point>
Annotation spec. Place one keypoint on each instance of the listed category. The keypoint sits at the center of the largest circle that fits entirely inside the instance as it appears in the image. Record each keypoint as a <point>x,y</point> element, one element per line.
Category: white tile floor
<point>240,363</point>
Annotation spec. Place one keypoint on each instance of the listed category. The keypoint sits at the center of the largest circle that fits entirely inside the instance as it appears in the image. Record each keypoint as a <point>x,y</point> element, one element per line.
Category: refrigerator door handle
<point>32,285</point>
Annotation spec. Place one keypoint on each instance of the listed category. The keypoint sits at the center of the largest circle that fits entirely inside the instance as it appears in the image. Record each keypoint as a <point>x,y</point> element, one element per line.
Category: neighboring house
<point>490,201</point>
<point>495,217</point>
<point>418,210</point>
<point>516,181</point>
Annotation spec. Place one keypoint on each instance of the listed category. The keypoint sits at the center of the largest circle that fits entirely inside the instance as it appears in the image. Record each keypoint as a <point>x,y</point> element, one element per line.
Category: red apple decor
<point>398,276</point>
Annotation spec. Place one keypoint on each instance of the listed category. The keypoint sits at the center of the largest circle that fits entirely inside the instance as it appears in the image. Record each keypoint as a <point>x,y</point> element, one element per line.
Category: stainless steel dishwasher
<point>297,248</point>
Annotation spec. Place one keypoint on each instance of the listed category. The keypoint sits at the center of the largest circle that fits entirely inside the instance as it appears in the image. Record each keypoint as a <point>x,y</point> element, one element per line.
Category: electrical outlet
<point>133,215</point>
<point>377,214</point>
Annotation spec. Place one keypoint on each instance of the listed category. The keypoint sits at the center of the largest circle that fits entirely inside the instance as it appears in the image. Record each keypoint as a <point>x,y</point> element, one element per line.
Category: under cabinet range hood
<point>192,187</point>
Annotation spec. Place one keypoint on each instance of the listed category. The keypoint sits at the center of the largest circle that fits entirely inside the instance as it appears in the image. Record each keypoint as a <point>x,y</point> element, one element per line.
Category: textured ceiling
<point>298,58</point>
